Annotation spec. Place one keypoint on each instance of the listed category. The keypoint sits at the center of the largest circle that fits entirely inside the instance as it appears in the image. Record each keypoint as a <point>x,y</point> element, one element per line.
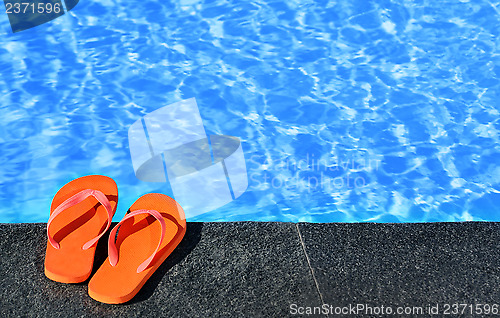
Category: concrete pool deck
<point>253,269</point>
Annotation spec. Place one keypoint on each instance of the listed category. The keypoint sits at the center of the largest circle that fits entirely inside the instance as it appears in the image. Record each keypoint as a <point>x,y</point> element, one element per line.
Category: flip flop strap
<point>113,252</point>
<point>74,200</point>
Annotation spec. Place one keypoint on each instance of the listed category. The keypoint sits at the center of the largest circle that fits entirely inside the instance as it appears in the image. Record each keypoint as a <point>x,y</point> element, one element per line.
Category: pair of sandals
<point>81,214</point>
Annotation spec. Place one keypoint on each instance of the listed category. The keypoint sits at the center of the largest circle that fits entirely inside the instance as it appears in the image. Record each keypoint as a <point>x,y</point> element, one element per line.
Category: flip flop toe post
<point>81,213</point>
<point>147,235</point>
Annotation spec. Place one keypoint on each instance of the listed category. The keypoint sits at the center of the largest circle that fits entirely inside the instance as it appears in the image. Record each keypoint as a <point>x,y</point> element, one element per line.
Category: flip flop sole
<point>75,226</point>
<point>137,239</point>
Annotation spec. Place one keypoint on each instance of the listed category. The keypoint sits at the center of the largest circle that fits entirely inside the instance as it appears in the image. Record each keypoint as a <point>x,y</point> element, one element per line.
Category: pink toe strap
<point>74,200</point>
<point>113,252</point>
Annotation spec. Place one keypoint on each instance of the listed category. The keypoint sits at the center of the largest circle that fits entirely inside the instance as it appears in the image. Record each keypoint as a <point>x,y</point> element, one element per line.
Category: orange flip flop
<point>149,232</point>
<point>81,213</point>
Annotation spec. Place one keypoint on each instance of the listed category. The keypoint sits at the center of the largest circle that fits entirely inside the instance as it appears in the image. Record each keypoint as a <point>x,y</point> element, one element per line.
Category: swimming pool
<point>347,111</point>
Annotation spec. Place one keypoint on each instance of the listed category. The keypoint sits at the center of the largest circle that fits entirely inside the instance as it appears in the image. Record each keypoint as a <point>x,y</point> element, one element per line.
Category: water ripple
<point>348,111</point>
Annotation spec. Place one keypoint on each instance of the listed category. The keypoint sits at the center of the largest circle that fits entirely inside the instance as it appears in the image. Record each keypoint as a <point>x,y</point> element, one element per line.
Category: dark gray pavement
<point>252,269</point>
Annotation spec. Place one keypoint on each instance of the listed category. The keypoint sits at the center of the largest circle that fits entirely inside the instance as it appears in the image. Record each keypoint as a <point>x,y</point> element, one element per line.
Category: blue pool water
<point>349,110</point>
